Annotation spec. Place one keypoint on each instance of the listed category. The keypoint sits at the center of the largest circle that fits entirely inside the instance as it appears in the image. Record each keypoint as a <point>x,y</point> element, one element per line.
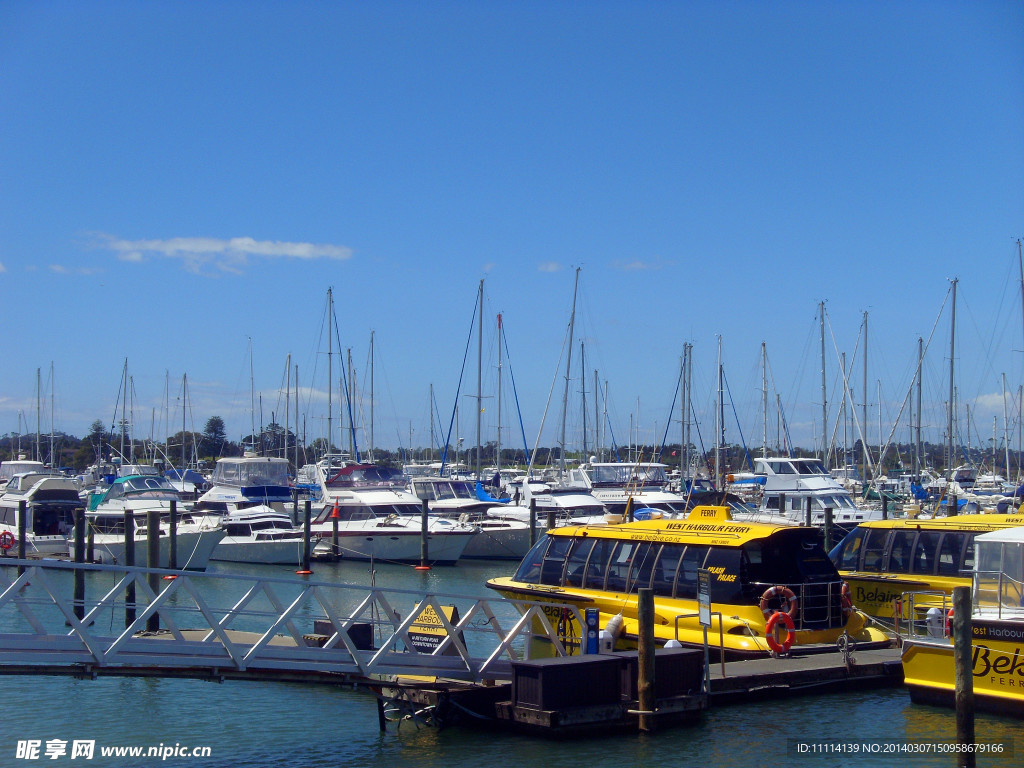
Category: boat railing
<point>820,603</point>
<point>721,633</point>
<point>921,613</point>
<point>998,594</point>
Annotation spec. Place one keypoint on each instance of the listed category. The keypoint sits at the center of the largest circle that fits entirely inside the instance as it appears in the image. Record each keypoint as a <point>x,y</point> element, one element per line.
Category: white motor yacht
<point>789,484</point>
<point>378,519</point>
<point>613,483</point>
<point>243,482</point>
<point>259,534</point>
<point>140,494</point>
<point>50,504</point>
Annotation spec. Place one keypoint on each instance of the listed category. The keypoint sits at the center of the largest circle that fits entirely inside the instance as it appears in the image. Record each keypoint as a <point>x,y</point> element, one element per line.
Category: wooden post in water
<point>153,561</point>
<point>79,558</point>
<point>295,505</point>
<point>952,505</point>
<point>307,523</point>
<point>551,519</point>
<point>172,530</point>
<point>424,523</point>
<point>782,503</point>
<point>885,506</point>
<point>629,510</point>
<point>22,532</point>
<point>533,522</point>
<point>807,510</point>
<point>90,544</point>
<point>645,658</point>
<point>828,528</point>
<point>129,560</point>
<point>964,673</point>
<point>335,548</point>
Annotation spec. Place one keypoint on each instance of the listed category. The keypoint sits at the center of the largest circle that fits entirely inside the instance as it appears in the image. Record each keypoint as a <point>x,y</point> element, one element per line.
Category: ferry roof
<point>1002,536</point>
<point>704,524</point>
<point>979,522</point>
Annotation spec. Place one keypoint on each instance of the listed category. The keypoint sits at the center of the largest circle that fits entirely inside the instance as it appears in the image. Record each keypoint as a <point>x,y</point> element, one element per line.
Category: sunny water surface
<point>273,724</point>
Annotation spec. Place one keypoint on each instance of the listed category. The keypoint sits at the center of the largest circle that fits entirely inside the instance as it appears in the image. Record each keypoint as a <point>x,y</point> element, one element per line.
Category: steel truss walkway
<point>220,626</point>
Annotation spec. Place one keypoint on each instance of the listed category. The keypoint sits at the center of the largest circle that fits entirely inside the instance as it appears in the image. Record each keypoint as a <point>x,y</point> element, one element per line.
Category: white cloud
<point>60,269</point>
<point>2,267</point>
<point>549,266</point>
<point>231,255</point>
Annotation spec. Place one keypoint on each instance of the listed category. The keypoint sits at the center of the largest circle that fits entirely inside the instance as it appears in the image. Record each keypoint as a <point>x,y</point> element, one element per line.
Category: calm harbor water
<point>274,724</point>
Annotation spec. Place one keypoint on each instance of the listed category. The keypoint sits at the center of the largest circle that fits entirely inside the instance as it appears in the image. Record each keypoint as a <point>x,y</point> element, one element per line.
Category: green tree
<point>214,436</point>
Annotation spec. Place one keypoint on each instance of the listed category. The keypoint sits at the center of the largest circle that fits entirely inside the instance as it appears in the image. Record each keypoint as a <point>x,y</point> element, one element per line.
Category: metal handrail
<point>266,626</point>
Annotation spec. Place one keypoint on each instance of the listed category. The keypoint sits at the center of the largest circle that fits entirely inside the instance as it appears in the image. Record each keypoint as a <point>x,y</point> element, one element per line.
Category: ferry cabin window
<point>664,575</point>
<point>576,565</point>
<point>874,548</point>
<point>923,560</point>
<point>847,554</point>
<point>619,565</point>
<point>642,567</point>
<point>686,579</point>
<point>529,570</point>
<point>900,550</point>
<point>553,563</point>
<point>598,563</point>
<point>950,550</point>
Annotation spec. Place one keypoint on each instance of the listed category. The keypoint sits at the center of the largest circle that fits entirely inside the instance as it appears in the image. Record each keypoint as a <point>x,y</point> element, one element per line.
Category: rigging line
<point>515,394</point>
<point>743,440</point>
<point>458,390</point>
<point>547,405</point>
<point>671,410</point>
<point>910,389</point>
<point>348,400</point>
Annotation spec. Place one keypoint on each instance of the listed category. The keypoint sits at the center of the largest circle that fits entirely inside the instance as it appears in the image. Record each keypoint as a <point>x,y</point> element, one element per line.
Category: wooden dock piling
<point>964,674</point>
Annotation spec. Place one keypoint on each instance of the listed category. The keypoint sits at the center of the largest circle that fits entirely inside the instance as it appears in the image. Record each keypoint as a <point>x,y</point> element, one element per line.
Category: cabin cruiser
<point>378,519</point>
<point>141,494</point>
<point>503,533</point>
<point>791,483</point>
<point>566,501</point>
<point>259,534</point>
<point>50,502</point>
<point>238,483</point>
<point>613,483</point>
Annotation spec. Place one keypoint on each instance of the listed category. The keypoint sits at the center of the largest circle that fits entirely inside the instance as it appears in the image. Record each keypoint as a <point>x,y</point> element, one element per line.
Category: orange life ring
<point>772,625</point>
<point>845,600</point>
<point>788,597</point>
<point>6,540</point>
<point>949,623</point>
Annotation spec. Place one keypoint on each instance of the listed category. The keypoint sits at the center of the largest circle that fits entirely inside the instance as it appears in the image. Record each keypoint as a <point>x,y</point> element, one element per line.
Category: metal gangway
<point>89,620</point>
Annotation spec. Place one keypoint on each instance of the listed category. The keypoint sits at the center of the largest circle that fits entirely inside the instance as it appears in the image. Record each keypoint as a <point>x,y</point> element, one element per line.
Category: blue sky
<point>181,180</point>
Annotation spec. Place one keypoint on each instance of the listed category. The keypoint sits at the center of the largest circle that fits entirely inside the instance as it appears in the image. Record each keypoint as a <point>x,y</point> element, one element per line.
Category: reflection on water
<point>275,724</point>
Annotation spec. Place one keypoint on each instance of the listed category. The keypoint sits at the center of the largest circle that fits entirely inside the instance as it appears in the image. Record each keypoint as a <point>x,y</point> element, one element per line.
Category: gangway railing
<point>221,625</point>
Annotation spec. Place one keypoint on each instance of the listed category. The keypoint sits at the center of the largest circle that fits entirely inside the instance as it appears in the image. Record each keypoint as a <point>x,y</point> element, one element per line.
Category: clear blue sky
<point>179,178</point>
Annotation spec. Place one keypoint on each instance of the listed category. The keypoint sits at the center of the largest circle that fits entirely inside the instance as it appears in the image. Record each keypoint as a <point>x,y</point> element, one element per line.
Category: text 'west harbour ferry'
<point>763,578</point>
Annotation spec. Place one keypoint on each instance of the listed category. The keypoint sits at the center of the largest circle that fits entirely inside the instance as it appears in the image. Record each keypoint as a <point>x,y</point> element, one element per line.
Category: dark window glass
<point>900,551</point>
<point>925,547</point>
<point>576,565</point>
<point>874,548</point>
<point>949,554</point>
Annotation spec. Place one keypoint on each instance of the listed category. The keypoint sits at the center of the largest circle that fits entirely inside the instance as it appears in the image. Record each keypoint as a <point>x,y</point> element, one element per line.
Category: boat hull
<point>194,549</point>
<point>395,544</point>
<point>241,550</point>
<point>998,668</point>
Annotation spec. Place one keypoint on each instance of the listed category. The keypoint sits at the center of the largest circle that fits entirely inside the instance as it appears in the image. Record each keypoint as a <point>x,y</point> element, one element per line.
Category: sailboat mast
<point>498,458</point>
<point>917,426</point>
<point>287,402</point>
<point>568,367</point>
<point>252,399</point>
<point>688,358</point>
<point>864,407</point>
<point>949,411</point>
<point>372,333</point>
<point>39,407</point>
<point>479,374</point>
<point>597,415</point>
<point>719,421</point>
<point>824,391</point>
<point>764,401</point>
<point>53,455</point>
<point>330,371</point>
<point>583,383</point>
<point>184,404</point>
<point>297,419</point>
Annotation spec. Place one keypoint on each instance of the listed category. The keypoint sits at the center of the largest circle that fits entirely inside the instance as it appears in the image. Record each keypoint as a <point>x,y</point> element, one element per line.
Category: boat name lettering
<point>1002,664</point>
<point>720,574</point>
<point>709,527</point>
<point>998,633</point>
<point>862,595</point>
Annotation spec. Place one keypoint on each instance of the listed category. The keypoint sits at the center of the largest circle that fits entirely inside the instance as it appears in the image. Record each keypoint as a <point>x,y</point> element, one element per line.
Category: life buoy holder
<point>6,540</point>
<point>845,600</point>
<point>770,632</point>
<point>790,603</point>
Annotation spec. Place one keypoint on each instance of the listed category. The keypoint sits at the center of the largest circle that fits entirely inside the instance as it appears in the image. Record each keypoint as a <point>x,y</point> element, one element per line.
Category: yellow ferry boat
<point>997,632</point>
<point>761,576</point>
<point>883,559</point>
